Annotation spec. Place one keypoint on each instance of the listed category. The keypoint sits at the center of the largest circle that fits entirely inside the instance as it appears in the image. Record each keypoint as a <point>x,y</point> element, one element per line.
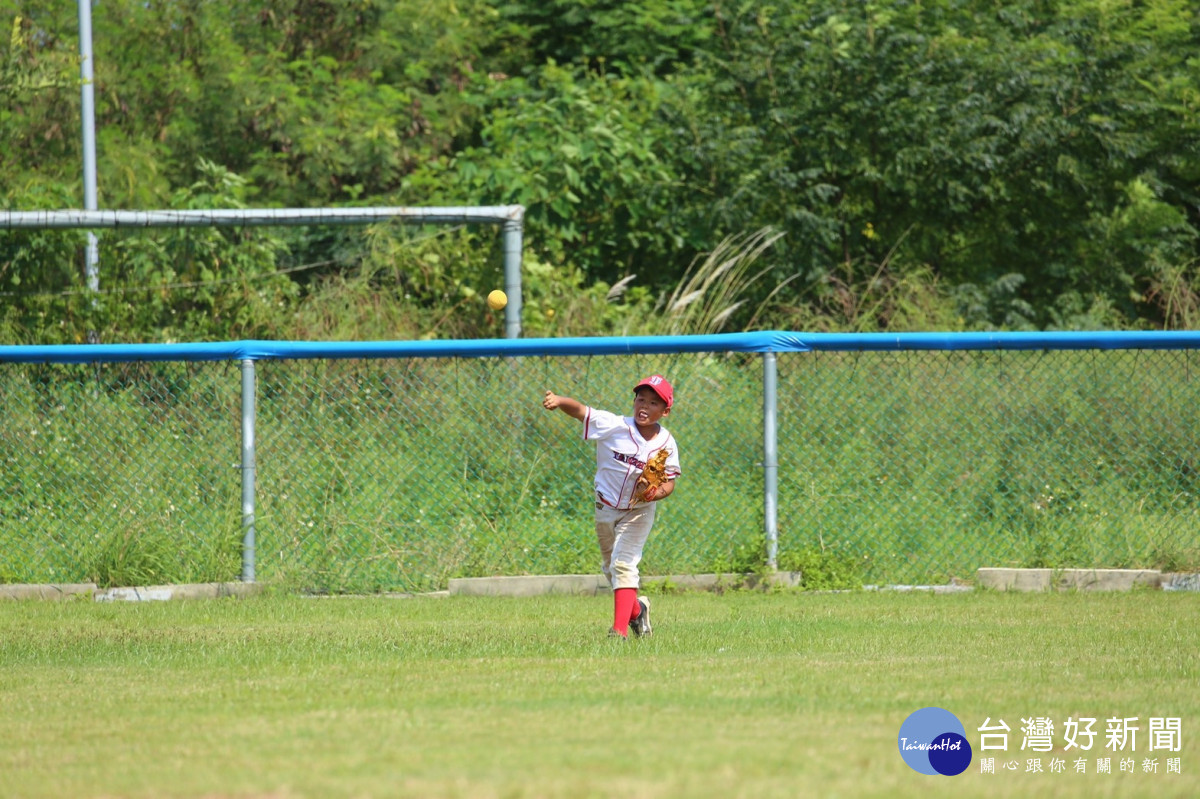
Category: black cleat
<point>640,624</point>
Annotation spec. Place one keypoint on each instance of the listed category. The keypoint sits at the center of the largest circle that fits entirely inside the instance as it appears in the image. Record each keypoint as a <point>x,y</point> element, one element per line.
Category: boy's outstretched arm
<point>571,407</point>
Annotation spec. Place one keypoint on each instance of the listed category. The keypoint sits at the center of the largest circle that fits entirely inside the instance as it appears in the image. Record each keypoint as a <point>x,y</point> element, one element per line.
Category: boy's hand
<point>571,407</point>
<point>651,483</point>
<point>651,493</point>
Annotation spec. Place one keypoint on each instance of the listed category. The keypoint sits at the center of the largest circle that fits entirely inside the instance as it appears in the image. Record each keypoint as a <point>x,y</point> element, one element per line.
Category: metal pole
<point>512,278</point>
<point>770,459</point>
<point>88,114</point>
<point>248,217</point>
<point>248,470</point>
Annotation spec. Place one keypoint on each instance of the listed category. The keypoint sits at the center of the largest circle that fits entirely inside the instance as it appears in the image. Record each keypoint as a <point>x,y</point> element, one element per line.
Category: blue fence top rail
<point>764,341</point>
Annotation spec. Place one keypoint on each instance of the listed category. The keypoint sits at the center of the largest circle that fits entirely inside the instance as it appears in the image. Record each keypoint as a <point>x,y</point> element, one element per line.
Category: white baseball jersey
<point>621,454</point>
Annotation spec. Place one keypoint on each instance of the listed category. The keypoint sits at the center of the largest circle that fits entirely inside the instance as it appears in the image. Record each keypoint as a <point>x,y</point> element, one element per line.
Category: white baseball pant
<point>622,535</point>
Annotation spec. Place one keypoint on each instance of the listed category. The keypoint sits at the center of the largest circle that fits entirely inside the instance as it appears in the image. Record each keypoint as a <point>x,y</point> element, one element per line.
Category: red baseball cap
<point>661,386</point>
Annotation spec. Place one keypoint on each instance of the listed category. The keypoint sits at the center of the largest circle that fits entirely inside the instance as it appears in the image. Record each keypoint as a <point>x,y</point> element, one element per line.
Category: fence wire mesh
<point>399,474</point>
<point>120,473</point>
<point>928,465</point>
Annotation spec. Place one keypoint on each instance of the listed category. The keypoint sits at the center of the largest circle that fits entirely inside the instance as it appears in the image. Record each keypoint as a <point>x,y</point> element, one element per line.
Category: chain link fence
<point>399,473</point>
<point>924,466</point>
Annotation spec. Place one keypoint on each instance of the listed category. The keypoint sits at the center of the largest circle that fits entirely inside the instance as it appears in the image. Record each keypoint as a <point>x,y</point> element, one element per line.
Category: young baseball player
<point>625,509</point>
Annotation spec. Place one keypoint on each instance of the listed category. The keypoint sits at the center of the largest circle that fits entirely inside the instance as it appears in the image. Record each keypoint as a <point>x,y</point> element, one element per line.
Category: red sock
<point>624,602</point>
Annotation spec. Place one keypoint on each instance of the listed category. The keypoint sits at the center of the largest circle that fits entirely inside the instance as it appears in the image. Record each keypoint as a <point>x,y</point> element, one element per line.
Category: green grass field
<point>736,695</point>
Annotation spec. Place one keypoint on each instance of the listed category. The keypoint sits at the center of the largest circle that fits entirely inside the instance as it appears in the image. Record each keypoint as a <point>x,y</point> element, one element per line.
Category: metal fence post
<point>248,470</point>
<point>87,112</point>
<point>512,277</point>
<point>770,459</point>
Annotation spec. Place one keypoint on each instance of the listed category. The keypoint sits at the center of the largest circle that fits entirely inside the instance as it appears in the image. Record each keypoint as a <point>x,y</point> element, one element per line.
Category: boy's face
<point>648,407</point>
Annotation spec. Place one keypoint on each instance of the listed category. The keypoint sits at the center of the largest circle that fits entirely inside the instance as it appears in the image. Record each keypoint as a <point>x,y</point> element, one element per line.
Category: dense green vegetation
<point>953,164</point>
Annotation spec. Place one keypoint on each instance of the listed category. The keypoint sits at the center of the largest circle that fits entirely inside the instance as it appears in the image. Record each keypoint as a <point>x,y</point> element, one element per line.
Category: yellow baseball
<point>497,300</point>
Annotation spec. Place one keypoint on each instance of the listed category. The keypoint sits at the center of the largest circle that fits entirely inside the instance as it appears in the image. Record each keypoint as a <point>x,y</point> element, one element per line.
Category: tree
<point>984,145</point>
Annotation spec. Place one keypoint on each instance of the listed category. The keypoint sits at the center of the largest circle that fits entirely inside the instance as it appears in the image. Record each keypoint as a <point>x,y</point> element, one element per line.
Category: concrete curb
<point>168,592</point>
<point>582,584</point>
<point>593,584</point>
<point>1068,579</point>
<point>1178,581</point>
<point>48,591</point>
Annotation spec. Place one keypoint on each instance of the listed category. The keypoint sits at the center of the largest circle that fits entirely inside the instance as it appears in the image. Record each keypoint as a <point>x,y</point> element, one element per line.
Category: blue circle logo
<point>934,741</point>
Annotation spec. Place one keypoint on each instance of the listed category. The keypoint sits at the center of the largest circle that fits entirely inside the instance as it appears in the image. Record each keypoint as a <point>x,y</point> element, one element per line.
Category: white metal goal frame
<point>510,218</point>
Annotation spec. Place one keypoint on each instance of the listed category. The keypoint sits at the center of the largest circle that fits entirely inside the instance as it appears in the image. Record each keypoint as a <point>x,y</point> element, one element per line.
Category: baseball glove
<point>653,476</point>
